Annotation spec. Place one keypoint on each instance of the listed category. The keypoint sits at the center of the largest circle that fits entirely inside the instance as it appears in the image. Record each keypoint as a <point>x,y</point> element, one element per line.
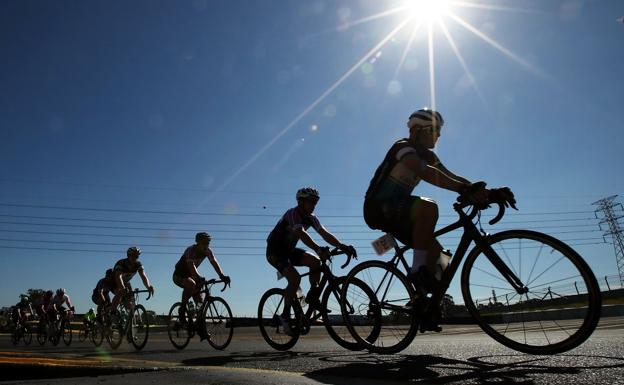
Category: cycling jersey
<point>283,236</point>
<point>89,316</point>
<point>22,306</point>
<point>393,179</point>
<point>191,254</point>
<point>60,300</point>
<point>104,284</point>
<point>127,268</point>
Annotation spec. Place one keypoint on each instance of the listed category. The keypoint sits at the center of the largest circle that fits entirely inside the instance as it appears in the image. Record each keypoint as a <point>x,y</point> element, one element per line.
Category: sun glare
<point>428,9</point>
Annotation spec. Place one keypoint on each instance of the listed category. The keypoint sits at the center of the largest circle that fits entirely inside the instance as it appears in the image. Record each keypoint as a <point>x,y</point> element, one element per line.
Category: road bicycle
<point>93,331</point>
<point>55,329</point>
<point>22,332</point>
<point>130,320</point>
<point>272,303</point>
<point>213,314</point>
<point>527,290</point>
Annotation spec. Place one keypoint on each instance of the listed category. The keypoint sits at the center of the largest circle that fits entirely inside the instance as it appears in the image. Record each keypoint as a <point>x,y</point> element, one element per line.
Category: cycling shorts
<point>281,259</point>
<point>396,217</point>
<point>95,297</point>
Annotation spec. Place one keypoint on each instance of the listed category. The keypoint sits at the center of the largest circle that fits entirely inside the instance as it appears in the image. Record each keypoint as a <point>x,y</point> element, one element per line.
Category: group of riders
<point>388,206</point>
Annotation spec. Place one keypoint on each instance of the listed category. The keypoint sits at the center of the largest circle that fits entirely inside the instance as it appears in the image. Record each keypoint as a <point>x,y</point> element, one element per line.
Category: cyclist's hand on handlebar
<point>151,289</point>
<point>226,279</point>
<point>348,249</point>
<point>476,194</point>
<point>504,196</point>
<point>323,252</point>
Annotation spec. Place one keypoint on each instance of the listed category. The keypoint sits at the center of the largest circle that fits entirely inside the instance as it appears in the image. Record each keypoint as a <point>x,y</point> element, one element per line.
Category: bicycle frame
<point>470,234</point>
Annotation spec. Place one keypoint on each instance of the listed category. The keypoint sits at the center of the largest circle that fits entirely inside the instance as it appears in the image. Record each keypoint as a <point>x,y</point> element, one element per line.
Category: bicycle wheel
<point>218,322</point>
<point>97,334</point>
<point>42,336</point>
<point>114,331</point>
<point>66,332</point>
<point>82,334</point>
<point>388,325</point>
<point>55,333</point>
<point>359,301</point>
<point>561,307</point>
<point>27,336</point>
<point>15,336</point>
<point>270,308</point>
<point>179,334</point>
<point>139,329</point>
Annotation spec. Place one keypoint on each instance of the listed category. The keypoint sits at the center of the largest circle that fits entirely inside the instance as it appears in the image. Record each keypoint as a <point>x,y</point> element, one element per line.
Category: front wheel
<point>557,310</point>
<point>387,325</point>
<point>97,334</point>
<point>66,331</point>
<point>218,322</point>
<point>357,302</point>
<point>139,329</point>
<point>270,309</point>
<point>27,337</point>
<point>42,336</point>
<point>82,334</point>
<point>178,332</point>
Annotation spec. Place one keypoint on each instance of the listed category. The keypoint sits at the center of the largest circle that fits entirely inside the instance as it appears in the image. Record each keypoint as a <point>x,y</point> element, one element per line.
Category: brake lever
<point>499,216</point>
<point>225,285</point>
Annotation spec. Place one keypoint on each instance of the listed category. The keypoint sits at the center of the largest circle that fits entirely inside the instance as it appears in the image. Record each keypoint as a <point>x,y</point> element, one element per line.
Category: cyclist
<point>124,270</point>
<point>59,299</point>
<point>283,254</point>
<point>44,306</point>
<point>89,319</point>
<point>100,295</point>
<point>21,310</point>
<point>390,207</point>
<point>187,277</point>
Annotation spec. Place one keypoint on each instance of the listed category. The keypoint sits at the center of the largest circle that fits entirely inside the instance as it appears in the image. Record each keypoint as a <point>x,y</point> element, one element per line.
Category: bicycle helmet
<point>60,292</point>
<point>308,193</point>
<point>109,273</point>
<point>202,237</point>
<point>425,117</point>
<point>24,298</point>
<point>91,310</point>
<point>133,251</point>
<point>49,293</point>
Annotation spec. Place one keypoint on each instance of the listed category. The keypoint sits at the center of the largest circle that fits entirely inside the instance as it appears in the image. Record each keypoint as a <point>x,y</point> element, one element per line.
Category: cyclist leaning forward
<point>187,277</point>
<point>124,270</point>
<point>283,254</point>
<point>390,207</point>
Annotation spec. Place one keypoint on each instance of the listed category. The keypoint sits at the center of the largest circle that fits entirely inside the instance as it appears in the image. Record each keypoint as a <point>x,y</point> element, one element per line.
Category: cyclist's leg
<point>423,216</point>
<point>302,258</point>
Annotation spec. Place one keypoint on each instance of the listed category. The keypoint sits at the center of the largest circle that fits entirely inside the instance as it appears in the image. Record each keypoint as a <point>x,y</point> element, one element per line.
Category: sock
<point>420,259</point>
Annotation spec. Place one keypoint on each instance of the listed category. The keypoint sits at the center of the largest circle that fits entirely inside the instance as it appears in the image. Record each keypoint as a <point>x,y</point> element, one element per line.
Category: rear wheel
<point>42,336</point>
<point>27,335</point>
<point>178,333</point>
<point>560,308</point>
<point>66,331</point>
<point>218,322</point>
<point>387,325</point>
<point>114,331</point>
<point>357,302</point>
<point>270,308</point>
<point>139,330</point>
<point>97,334</point>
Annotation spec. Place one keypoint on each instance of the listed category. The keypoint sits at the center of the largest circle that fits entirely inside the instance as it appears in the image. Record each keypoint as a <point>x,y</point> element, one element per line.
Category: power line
<point>606,206</point>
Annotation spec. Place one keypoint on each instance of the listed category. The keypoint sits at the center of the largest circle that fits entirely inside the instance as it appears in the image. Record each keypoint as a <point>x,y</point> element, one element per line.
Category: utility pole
<point>610,220</point>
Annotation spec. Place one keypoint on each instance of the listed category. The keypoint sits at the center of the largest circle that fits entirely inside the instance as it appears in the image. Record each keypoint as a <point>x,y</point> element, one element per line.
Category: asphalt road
<point>458,355</point>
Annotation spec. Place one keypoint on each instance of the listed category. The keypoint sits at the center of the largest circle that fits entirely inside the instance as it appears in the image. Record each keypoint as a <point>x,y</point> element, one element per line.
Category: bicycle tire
<point>66,332</point>
<point>139,327</point>
<point>396,322</point>
<point>114,332</point>
<point>82,334</point>
<point>179,335</point>
<point>333,301</point>
<point>218,322</point>
<point>270,307</point>
<point>42,336</point>
<point>97,334</point>
<point>27,336</point>
<point>549,326</point>
<point>55,335</point>
<point>15,337</point>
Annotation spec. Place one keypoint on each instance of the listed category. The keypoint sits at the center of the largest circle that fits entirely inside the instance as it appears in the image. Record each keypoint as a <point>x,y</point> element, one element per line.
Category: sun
<point>428,9</point>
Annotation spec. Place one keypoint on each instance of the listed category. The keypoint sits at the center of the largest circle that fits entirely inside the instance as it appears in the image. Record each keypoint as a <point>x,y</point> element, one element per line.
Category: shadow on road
<point>336,366</point>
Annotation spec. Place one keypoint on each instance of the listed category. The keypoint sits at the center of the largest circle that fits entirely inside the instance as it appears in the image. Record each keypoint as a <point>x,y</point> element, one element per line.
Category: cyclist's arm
<point>432,174</point>
<point>329,237</point>
<point>119,281</point>
<point>145,280</point>
<point>69,305</point>
<point>215,264</point>
<point>306,239</point>
<point>448,172</point>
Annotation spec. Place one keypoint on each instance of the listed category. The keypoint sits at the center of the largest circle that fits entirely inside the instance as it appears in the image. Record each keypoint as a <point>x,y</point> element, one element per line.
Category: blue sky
<point>140,123</point>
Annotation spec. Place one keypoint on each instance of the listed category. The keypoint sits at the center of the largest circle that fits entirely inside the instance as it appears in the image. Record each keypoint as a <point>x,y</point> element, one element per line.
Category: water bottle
<point>300,296</point>
<point>442,263</point>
